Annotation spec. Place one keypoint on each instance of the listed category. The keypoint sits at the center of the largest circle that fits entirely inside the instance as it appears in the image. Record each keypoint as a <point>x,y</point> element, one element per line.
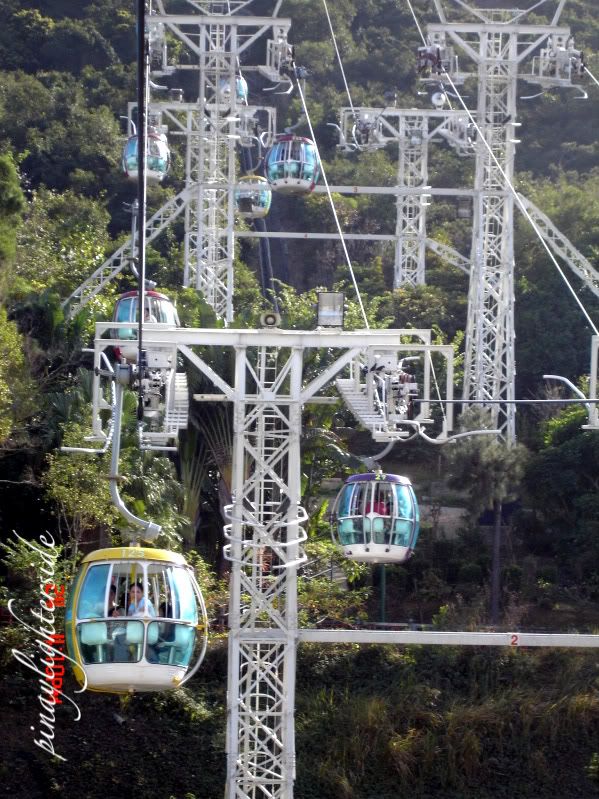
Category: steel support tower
<point>411,208</point>
<point>216,34</point>
<point>272,381</point>
<point>498,41</point>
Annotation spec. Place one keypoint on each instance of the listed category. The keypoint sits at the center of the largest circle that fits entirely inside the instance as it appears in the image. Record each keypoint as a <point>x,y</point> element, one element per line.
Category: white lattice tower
<point>498,41</point>
<point>210,159</point>
<point>490,366</point>
<point>216,34</point>
<point>265,535</point>
<point>411,208</point>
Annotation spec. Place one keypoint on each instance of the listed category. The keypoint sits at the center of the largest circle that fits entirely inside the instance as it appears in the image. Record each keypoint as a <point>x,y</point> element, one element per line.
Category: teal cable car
<point>375,518</point>
<point>292,165</point>
<point>158,309</point>
<point>158,157</point>
<point>253,197</point>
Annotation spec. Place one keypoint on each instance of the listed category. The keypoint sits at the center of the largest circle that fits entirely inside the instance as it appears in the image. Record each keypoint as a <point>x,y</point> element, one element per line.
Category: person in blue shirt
<point>139,605</point>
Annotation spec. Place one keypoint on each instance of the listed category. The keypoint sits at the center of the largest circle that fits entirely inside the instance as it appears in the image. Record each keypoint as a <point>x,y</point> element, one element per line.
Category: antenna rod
<point>142,132</point>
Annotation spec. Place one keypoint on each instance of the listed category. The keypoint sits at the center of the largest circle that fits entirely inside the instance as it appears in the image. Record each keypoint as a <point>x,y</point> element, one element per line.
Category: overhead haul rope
<point>510,185</point>
<point>591,76</point>
<point>330,196</point>
<point>333,37</point>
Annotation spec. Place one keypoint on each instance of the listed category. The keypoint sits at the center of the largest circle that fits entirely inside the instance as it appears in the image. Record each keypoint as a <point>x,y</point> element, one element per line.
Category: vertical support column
<point>411,208</point>
<point>211,169</point>
<point>489,371</point>
<point>593,415</point>
<point>236,534</point>
<point>265,542</point>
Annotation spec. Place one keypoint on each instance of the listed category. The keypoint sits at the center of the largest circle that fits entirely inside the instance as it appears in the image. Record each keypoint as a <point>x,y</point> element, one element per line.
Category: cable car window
<point>344,502</point>
<point>170,643</point>
<point>166,312</point>
<point>92,600</point>
<point>111,641</point>
<point>124,310</point>
<point>152,310</point>
<point>309,159</point>
<point>402,532</point>
<point>130,590</point>
<point>184,595</point>
<point>130,154</point>
<point>171,593</point>
<point>405,506</point>
<point>131,148</point>
<point>123,313</point>
<point>309,154</point>
<point>381,501</point>
<point>358,499</point>
<point>381,530</point>
<point>295,152</point>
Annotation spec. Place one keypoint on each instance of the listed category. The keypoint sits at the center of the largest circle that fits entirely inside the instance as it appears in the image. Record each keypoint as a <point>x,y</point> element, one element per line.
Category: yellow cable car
<point>135,620</point>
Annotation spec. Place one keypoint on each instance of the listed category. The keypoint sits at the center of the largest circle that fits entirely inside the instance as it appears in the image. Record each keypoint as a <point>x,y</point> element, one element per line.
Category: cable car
<point>253,197</point>
<point>376,519</point>
<point>158,309</point>
<point>158,156</point>
<point>291,164</point>
<point>135,620</point>
<point>241,90</point>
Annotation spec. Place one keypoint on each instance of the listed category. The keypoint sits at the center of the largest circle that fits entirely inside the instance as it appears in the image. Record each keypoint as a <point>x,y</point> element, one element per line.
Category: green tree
<point>562,482</point>
<point>490,471</point>
<point>12,205</point>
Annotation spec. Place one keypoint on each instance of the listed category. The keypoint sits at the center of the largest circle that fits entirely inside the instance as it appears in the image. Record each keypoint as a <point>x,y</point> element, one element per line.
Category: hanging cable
<point>523,208</point>
<point>510,185</point>
<point>590,74</point>
<point>143,63</point>
<point>443,414</point>
<point>415,18</point>
<point>333,37</point>
<point>330,196</point>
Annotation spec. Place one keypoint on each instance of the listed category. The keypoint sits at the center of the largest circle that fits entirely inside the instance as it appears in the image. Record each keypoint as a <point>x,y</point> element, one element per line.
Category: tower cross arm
<point>240,21</point>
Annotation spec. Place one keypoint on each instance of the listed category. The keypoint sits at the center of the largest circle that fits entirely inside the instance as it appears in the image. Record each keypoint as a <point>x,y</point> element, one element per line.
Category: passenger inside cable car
<point>292,164</point>
<point>375,518</point>
<point>125,652</point>
<point>158,308</point>
<point>157,157</point>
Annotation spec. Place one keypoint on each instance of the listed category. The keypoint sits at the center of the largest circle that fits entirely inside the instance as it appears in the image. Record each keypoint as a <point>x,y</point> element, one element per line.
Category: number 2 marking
<point>514,640</point>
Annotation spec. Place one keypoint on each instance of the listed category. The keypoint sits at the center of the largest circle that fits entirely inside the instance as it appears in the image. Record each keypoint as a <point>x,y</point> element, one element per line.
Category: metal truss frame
<point>412,130</point>
<point>216,37</point>
<point>114,265</point>
<point>498,44</point>
<point>271,382</point>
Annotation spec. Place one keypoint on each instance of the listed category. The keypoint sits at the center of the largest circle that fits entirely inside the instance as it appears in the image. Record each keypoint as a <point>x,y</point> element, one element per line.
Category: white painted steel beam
<point>330,338</point>
<point>420,637</point>
<point>562,247</point>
